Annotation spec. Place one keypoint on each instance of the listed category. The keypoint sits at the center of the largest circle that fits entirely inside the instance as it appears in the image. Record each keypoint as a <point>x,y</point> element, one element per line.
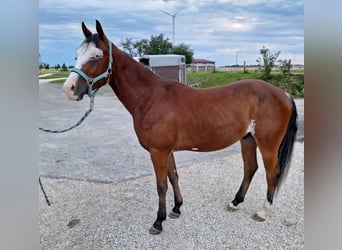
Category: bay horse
<point>169,116</point>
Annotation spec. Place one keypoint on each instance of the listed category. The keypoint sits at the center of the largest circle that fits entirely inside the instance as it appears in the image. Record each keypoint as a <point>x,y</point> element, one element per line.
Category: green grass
<point>216,78</point>
<point>294,84</point>
<point>56,75</point>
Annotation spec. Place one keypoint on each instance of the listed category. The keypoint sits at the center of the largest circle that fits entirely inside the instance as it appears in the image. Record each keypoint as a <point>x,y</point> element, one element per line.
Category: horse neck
<point>132,83</point>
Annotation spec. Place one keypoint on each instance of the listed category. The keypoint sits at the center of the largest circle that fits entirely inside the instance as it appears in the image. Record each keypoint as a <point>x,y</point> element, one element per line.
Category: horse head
<point>93,65</point>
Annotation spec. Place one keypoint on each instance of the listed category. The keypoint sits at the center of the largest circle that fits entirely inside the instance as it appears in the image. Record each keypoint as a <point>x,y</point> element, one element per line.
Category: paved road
<point>104,148</point>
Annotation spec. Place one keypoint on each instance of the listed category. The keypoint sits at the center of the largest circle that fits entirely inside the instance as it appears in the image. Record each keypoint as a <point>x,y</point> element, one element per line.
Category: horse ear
<point>86,31</point>
<point>100,30</point>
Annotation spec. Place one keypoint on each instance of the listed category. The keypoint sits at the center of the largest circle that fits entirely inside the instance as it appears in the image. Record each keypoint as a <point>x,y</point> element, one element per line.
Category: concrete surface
<point>102,189</point>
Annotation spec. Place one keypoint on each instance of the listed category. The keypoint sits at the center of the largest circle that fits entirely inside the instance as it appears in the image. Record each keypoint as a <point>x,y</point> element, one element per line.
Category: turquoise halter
<point>91,81</point>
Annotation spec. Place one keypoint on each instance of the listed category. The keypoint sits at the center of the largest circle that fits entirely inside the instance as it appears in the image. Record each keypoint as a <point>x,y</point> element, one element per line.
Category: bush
<point>293,84</point>
<point>267,62</point>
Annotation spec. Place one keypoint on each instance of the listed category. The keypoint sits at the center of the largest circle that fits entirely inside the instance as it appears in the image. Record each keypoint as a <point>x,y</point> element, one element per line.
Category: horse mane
<point>93,38</point>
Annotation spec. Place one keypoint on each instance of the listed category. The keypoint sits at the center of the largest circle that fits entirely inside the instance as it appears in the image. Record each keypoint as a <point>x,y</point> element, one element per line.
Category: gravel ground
<point>91,215</point>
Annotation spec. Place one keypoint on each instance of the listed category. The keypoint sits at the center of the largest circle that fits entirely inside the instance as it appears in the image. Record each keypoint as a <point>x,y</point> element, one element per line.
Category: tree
<point>141,46</point>
<point>158,45</point>
<point>267,62</point>
<point>41,66</point>
<point>183,49</point>
<point>64,67</point>
<point>285,67</point>
<point>128,45</point>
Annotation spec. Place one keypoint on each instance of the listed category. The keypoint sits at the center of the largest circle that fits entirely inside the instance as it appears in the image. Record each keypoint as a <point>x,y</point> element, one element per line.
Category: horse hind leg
<point>173,177</point>
<point>248,150</point>
<point>271,163</point>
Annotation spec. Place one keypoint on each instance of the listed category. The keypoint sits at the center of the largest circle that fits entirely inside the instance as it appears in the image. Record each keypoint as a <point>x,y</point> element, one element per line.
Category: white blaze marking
<point>68,86</point>
<point>85,53</point>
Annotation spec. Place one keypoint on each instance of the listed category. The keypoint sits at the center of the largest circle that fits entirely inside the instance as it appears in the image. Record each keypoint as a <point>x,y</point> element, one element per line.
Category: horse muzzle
<point>71,94</point>
<point>70,89</point>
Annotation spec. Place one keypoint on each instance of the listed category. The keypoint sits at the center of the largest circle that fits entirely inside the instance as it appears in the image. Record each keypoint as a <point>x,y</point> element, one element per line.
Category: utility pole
<point>173,23</point>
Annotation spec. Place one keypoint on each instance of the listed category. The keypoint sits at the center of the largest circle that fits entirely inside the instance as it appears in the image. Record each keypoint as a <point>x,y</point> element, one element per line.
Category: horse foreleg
<point>248,151</point>
<point>160,164</point>
<point>173,177</point>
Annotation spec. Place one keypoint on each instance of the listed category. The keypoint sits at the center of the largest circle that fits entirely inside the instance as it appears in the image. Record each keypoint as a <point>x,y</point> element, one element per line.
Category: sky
<point>224,31</point>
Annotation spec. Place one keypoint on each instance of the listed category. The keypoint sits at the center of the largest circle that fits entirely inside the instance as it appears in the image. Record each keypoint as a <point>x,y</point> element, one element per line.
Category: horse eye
<point>96,57</point>
<point>75,58</point>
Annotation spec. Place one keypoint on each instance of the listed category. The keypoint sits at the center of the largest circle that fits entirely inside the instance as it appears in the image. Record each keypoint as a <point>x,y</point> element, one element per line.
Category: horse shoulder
<point>155,126</point>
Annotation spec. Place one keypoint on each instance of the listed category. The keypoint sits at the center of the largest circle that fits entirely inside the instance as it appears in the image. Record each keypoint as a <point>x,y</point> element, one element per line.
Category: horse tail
<point>286,146</point>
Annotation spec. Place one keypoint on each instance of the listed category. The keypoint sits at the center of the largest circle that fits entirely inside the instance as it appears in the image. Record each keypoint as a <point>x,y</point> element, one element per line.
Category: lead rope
<point>45,196</point>
<point>77,124</point>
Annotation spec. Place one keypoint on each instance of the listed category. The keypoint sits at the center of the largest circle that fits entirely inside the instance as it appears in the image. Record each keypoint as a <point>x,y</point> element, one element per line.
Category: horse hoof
<point>258,218</point>
<point>174,215</point>
<point>231,207</point>
<point>154,231</point>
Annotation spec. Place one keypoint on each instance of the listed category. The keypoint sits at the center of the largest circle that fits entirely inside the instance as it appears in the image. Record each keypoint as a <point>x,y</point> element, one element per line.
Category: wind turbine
<point>236,57</point>
<point>173,23</point>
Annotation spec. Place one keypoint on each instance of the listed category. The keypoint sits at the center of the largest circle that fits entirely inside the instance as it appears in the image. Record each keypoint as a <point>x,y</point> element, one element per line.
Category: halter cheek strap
<point>91,81</point>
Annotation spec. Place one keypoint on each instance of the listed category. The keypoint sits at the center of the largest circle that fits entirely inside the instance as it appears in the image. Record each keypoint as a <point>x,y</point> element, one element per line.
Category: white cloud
<point>234,24</point>
<point>213,29</point>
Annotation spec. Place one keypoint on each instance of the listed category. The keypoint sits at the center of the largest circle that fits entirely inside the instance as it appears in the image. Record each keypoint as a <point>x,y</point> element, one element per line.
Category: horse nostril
<point>72,87</point>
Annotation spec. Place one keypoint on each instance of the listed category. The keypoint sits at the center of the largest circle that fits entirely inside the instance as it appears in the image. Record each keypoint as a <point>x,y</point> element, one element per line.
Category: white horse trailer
<point>167,67</point>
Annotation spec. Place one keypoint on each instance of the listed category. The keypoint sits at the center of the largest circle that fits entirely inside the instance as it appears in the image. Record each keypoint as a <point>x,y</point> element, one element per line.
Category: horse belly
<point>209,140</point>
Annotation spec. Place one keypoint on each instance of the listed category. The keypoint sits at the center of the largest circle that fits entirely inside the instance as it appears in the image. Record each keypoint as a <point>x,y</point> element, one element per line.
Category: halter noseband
<point>91,81</point>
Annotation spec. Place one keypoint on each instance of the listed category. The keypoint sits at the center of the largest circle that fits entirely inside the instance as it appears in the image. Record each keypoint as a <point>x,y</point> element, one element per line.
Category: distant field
<point>294,70</point>
<point>211,79</point>
<point>294,85</point>
<point>51,70</point>
<point>56,75</point>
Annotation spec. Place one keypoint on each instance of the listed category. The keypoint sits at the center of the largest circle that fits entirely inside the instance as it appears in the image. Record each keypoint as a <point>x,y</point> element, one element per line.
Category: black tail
<point>286,146</point>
